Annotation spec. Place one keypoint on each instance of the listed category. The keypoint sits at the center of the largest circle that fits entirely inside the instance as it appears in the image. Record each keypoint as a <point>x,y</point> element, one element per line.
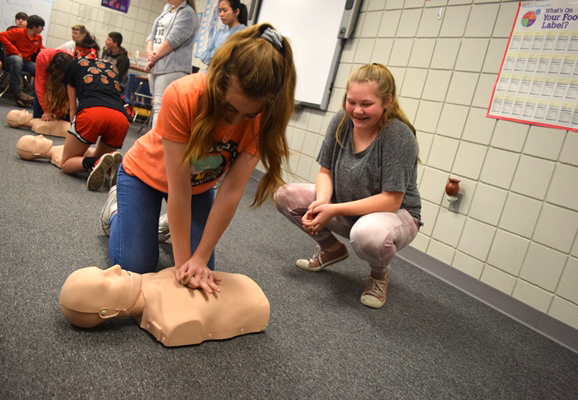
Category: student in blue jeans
<point>210,126</point>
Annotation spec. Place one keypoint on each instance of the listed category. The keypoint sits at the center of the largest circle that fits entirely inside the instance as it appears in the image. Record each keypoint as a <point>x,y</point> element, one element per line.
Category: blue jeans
<point>134,241</point>
<point>38,111</point>
<point>16,65</point>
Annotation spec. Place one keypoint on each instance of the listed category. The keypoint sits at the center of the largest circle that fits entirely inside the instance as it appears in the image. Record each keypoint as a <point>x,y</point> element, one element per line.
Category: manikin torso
<point>22,118</point>
<point>174,314</point>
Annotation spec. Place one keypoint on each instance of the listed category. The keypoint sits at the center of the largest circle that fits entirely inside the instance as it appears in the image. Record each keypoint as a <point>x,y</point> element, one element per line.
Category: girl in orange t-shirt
<point>210,125</point>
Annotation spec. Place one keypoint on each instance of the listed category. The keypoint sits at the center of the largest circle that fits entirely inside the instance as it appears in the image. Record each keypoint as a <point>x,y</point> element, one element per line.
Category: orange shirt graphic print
<point>207,169</point>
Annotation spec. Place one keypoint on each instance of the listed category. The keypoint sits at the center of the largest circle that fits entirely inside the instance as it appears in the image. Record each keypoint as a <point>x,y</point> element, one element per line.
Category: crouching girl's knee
<point>280,196</point>
<point>370,240</point>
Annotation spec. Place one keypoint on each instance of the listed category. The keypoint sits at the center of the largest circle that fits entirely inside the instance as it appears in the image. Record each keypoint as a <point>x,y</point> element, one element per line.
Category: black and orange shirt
<point>96,82</point>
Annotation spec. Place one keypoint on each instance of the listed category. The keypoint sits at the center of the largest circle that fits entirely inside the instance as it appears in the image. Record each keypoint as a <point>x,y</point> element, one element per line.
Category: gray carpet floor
<point>430,341</point>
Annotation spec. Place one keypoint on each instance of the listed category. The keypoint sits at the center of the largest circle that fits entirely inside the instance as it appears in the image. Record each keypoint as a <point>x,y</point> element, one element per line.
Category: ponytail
<point>237,5</point>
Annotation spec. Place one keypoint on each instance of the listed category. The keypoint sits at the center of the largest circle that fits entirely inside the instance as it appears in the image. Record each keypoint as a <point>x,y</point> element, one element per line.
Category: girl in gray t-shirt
<point>366,189</point>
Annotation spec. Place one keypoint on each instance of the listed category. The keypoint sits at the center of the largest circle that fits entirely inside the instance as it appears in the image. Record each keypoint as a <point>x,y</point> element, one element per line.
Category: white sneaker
<point>109,208</point>
<point>99,172</point>
<point>164,232</point>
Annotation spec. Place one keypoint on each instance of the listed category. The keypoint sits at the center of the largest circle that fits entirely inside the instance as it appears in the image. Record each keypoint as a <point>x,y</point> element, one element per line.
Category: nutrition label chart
<point>538,80</point>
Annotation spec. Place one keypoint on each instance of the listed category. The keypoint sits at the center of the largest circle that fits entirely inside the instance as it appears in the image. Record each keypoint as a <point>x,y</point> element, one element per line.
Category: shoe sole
<point>117,160</point>
<point>321,267</point>
<point>98,175</point>
<point>372,302</point>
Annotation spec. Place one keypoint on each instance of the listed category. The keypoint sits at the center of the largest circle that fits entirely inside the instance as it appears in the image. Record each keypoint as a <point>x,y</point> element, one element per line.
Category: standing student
<point>169,48</point>
<point>366,189</point>
<point>223,122</point>
<point>233,15</point>
<point>99,116</point>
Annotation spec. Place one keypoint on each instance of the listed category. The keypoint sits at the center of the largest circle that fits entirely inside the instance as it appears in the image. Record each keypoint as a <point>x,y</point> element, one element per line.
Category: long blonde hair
<point>55,94</point>
<point>263,72</point>
<point>379,74</point>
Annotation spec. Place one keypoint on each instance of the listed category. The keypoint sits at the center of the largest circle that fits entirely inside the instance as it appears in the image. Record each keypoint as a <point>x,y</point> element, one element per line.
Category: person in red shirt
<point>50,67</point>
<point>22,45</point>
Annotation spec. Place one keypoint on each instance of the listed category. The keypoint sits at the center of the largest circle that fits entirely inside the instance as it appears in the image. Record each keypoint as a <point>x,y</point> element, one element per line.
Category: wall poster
<point>538,79</point>
<point>118,5</point>
<point>210,24</point>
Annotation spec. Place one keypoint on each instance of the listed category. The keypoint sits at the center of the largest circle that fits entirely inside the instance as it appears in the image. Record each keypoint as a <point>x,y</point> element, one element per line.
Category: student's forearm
<point>382,202</point>
<point>179,213</point>
<point>323,186</point>
<point>71,101</point>
<point>164,49</point>
<point>222,212</point>
<point>8,46</point>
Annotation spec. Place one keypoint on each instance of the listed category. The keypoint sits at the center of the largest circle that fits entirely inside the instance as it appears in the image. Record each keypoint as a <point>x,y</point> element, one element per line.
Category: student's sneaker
<point>113,171</point>
<point>375,293</point>
<point>99,172</point>
<point>108,210</point>
<point>164,232</point>
<point>322,259</point>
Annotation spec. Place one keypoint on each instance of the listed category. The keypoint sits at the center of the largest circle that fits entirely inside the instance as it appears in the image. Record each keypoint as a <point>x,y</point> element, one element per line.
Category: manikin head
<point>30,147</point>
<point>91,295</point>
<point>18,118</point>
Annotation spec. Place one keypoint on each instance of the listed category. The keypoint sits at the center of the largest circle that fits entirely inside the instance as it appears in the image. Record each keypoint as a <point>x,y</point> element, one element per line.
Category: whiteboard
<point>9,8</point>
<point>312,27</point>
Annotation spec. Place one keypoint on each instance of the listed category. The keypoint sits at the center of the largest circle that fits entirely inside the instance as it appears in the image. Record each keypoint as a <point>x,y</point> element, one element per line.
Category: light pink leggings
<point>375,237</point>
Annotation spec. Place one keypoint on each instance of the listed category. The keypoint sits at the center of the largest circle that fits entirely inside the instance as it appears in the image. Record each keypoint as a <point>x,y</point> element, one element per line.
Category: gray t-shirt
<point>388,164</point>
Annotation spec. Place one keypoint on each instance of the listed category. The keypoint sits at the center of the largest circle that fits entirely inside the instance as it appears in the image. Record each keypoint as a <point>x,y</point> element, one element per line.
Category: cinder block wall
<point>517,224</point>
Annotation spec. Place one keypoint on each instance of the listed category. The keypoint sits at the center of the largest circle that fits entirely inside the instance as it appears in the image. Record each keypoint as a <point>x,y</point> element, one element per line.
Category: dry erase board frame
<point>312,27</point>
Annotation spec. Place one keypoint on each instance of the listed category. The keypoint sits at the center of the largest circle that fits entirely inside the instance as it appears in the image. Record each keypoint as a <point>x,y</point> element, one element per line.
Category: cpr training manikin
<point>23,119</point>
<point>174,314</point>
